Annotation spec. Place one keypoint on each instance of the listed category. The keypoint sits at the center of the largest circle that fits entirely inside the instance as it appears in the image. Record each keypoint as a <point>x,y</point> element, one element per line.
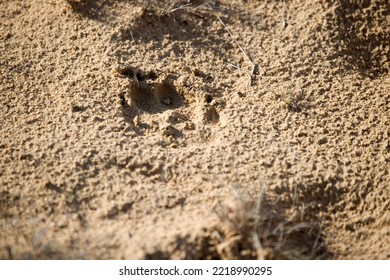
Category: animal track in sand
<point>154,98</point>
<point>167,95</point>
<point>211,115</point>
<point>163,104</point>
<point>149,95</point>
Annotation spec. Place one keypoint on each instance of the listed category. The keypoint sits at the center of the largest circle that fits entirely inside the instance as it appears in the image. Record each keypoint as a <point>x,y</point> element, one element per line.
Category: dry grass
<point>167,7</point>
<point>256,228</point>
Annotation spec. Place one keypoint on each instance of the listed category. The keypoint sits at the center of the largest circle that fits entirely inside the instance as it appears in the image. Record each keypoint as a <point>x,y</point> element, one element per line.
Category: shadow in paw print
<point>154,98</point>
<point>166,95</point>
<point>136,73</point>
<point>129,112</point>
<point>211,115</point>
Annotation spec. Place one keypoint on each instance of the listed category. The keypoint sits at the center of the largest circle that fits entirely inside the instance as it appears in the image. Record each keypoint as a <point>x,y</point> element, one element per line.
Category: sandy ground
<point>142,131</point>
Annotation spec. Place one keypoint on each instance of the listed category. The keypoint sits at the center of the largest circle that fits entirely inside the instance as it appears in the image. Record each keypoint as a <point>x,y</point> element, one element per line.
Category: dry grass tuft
<point>257,229</point>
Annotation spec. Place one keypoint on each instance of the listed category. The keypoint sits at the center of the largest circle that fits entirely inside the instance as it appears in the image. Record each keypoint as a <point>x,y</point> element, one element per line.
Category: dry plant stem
<point>254,65</point>
<point>182,7</point>
<point>284,15</point>
<point>204,4</point>
<point>170,7</point>
<point>255,235</point>
<point>188,7</point>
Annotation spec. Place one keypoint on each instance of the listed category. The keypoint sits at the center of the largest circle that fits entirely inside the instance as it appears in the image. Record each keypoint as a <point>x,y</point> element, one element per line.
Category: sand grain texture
<point>133,131</point>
